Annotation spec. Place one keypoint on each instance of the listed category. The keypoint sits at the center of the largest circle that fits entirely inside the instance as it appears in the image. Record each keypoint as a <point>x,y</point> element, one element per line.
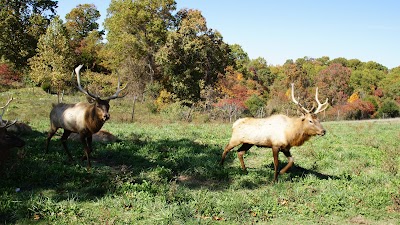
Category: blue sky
<point>290,29</point>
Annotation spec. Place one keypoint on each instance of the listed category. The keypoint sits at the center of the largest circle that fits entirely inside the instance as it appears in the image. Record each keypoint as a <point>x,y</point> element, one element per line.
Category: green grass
<point>164,172</point>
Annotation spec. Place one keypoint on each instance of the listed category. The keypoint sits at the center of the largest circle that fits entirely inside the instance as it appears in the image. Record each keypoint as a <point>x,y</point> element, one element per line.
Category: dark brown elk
<point>8,140</point>
<point>278,132</point>
<point>84,118</point>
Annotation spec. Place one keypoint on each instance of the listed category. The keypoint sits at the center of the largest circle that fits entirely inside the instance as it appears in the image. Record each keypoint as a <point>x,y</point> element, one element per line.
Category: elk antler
<point>78,78</point>
<point>319,108</point>
<point>304,110</point>
<point>5,106</point>
<point>6,123</point>
<point>114,96</point>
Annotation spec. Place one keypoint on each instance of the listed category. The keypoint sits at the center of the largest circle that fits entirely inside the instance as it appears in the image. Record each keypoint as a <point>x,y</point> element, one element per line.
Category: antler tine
<point>319,108</point>
<point>297,103</point>
<point>5,106</point>
<point>78,78</point>
<point>7,124</point>
<point>114,96</point>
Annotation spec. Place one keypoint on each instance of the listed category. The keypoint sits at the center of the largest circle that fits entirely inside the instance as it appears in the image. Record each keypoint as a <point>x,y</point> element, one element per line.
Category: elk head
<point>310,121</point>
<point>102,105</point>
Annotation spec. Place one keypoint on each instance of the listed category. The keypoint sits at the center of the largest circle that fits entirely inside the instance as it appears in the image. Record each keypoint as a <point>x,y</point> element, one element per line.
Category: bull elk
<point>278,132</point>
<point>84,118</point>
<point>7,140</point>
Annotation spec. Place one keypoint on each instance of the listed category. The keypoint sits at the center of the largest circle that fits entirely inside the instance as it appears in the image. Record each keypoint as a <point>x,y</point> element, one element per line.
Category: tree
<point>295,73</point>
<point>240,58</point>
<point>333,83</point>
<point>389,109</point>
<point>192,57</point>
<point>53,61</point>
<point>391,84</point>
<point>81,21</point>
<point>366,80</point>
<point>136,31</point>
<point>342,61</point>
<point>85,39</point>
<point>371,65</point>
<point>21,24</point>
<point>88,52</point>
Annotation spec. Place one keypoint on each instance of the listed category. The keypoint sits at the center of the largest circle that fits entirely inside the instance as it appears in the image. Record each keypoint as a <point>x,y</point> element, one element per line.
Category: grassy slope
<point>167,173</point>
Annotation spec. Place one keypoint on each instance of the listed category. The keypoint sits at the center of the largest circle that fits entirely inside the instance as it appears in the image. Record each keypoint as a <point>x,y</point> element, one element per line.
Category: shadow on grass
<point>129,161</point>
<point>296,171</point>
<point>126,164</point>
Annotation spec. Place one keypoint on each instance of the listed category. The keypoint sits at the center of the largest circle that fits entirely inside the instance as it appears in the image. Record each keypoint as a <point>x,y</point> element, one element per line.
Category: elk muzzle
<point>106,116</point>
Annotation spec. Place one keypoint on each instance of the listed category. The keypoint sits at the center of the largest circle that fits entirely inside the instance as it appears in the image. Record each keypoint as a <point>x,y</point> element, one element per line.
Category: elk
<point>84,118</point>
<point>7,140</point>
<point>278,132</point>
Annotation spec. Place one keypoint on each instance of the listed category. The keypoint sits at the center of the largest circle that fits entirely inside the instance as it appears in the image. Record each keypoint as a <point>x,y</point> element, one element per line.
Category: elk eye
<point>311,121</point>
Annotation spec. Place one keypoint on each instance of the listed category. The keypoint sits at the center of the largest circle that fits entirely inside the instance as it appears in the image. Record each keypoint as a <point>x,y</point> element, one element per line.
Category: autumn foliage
<point>154,43</point>
<point>8,76</point>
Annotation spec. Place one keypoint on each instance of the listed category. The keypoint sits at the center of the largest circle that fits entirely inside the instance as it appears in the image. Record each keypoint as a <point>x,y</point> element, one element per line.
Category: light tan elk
<point>7,140</point>
<point>84,118</point>
<point>278,132</point>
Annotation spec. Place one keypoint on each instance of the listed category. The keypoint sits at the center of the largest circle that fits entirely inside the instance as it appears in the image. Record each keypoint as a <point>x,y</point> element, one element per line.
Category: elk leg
<point>49,136</point>
<point>64,138</point>
<point>290,162</point>
<point>87,143</point>
<point>227,149</point>
<point>275,153</point>
<point>241,151</point>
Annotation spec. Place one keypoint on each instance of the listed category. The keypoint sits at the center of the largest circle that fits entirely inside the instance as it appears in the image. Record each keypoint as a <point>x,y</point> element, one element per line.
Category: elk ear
<point>303,117</point>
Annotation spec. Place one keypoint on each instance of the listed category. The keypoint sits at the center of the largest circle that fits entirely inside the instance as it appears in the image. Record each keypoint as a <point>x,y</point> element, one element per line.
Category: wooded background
<point>171,59</point>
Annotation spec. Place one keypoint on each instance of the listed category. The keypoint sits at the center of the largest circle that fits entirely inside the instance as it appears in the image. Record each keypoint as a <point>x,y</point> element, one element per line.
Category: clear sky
<point>368,30</point>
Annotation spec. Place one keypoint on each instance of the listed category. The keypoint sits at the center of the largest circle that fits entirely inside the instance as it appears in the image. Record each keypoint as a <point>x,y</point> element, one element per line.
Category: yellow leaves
<point>239,76</point>
<point>164,99</point>
<point>354,97</point>
<point>288,93</point>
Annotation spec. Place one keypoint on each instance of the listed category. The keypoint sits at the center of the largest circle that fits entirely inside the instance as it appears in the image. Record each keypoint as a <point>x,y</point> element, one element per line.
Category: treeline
<point>178,65</point>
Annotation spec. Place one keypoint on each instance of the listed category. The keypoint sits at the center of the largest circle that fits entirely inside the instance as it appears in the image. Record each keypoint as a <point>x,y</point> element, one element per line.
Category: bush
<point>389,109</point>
<point>357,110</point>
<point>46,86</point>
<point>254,104</point>
<point>176,112</point>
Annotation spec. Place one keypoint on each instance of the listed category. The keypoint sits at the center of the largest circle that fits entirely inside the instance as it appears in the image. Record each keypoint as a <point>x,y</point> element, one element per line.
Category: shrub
<point>357,109</point>
<point>389,109</point>
<point>229,109</point>
<point>360,109</point>
<point>46,86</point>
<point>254,103</point>
<point>164,99</point>
<point>176,112</point>
<point>8,75</point>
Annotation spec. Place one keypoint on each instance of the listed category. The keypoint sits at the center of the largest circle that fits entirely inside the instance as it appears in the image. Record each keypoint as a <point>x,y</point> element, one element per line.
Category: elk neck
<point>296,135</point>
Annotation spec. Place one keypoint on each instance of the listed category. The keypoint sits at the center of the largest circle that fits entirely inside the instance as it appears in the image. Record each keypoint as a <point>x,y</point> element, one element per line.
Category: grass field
<point>164,172</point>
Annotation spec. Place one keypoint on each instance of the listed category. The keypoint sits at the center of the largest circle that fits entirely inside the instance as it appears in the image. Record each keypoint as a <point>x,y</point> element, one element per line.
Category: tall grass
<point>163,172</point>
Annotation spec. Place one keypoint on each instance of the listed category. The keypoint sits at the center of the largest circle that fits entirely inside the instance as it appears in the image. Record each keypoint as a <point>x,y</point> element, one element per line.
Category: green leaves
<point>53,60</point>
<point>192,56</point>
